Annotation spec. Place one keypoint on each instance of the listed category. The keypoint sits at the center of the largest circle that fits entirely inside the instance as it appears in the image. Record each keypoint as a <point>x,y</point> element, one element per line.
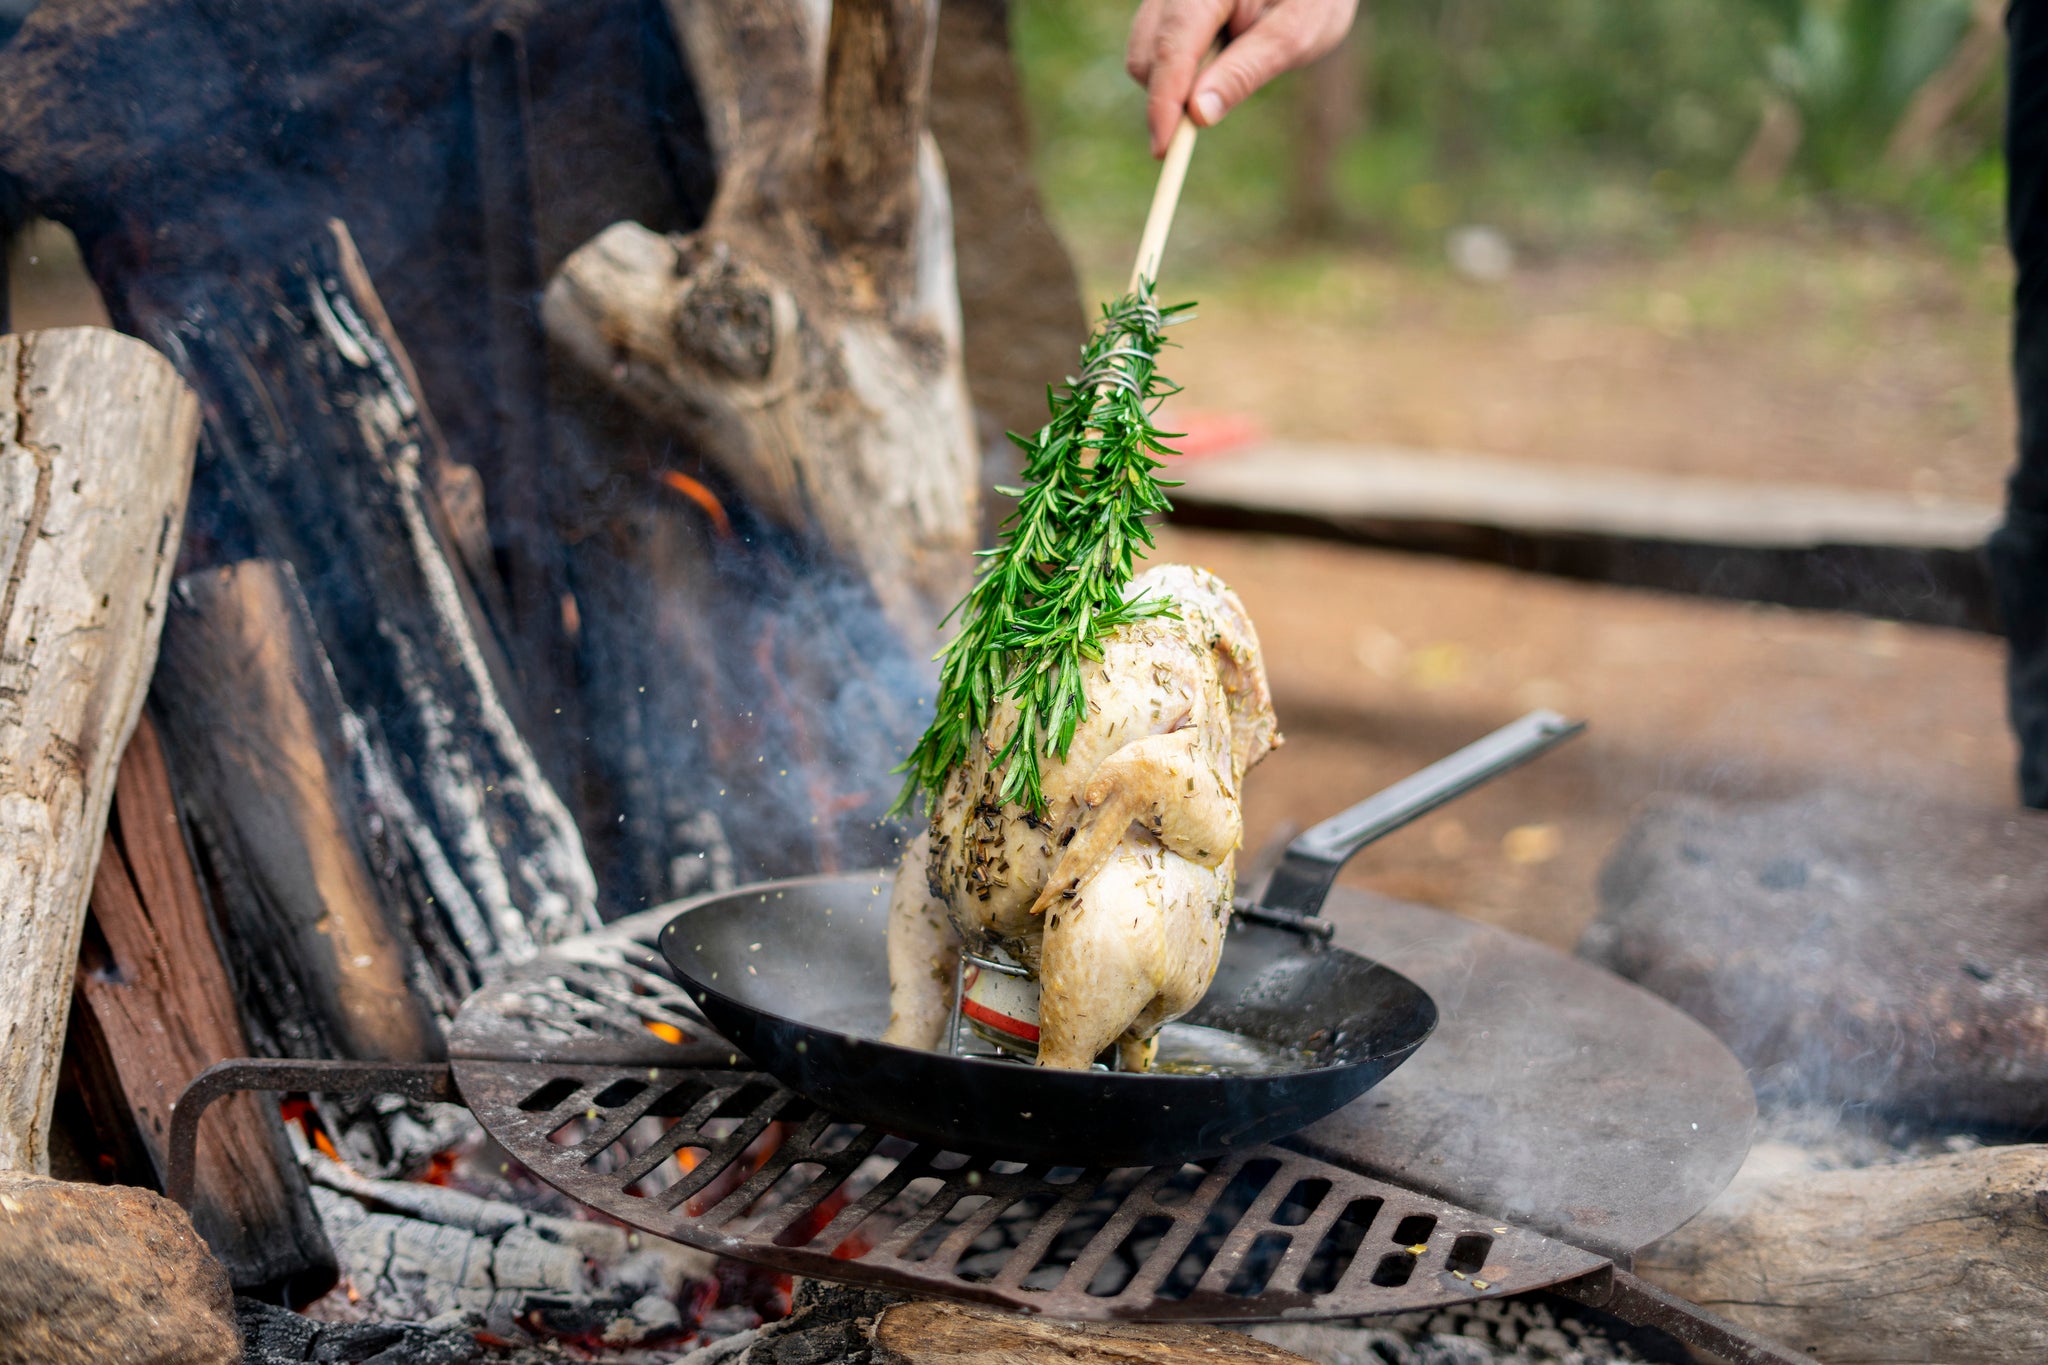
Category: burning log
<point>806,338</point>
<point>320,452</point>
<point>96,441</point>
<point>418,1251</point>
<point>1938,1259</point>
<point>270,765</point>
<point>152,987</point>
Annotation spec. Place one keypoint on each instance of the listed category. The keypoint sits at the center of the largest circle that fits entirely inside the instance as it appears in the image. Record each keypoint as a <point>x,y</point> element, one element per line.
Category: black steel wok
<point>795,973</point>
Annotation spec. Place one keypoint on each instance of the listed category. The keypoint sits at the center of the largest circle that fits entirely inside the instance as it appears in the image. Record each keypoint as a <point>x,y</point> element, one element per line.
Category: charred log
<point>96,437</point>
<point>153,986</point>
<point>320,452</point>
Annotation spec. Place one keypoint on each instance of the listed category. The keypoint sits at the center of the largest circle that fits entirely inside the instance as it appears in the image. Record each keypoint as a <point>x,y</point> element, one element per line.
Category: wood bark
<point>96,442</point>
<point>1938,1259</point>
<point>269,763</point>
<point>931,1333</point>
<point>1022,319</point>
<point>806,338</point>
<point>152,979</point>
<point>321,452</point>
<point>1330,92</point>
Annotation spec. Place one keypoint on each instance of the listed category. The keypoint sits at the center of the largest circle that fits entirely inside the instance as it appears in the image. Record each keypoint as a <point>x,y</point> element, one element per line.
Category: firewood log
<point>928,1333</point>
<point>1937,1259</point>
<point>321,451</point>
<point>163,1007</point>
<point>806,338</point>
<point>96,444</point>
<point>261,750</point>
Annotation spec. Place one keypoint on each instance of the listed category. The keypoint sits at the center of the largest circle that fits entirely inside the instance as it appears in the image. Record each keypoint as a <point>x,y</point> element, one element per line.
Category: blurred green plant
<point>1573,125</point>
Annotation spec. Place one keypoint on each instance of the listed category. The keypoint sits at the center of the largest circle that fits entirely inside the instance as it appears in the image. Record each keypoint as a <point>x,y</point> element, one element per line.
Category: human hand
<point>1169,39</point>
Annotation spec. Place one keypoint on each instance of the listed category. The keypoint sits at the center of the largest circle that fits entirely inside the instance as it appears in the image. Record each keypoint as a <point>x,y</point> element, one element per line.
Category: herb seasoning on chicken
<point>1093,731</point>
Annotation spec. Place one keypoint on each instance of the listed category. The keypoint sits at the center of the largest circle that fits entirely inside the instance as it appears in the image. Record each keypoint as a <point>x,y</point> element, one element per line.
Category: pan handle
<point>1294,895</point>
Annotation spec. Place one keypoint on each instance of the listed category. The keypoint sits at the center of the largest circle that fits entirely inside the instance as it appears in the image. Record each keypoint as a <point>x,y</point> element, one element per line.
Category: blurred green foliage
<point>1572,125</point>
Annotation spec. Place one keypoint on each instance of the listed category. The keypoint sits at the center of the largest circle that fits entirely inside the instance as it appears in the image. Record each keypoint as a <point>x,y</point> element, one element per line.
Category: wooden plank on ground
<point>1880,554</point>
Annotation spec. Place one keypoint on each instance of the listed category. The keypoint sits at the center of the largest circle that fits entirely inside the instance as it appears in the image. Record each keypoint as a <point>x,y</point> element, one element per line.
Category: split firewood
<point>269,765</point>
<point>1937,1259</point>
<point>806,338</point>
<point>152,981</point>
<point>96,443</point>
<point>321,452</point>
<point>929,1333</point>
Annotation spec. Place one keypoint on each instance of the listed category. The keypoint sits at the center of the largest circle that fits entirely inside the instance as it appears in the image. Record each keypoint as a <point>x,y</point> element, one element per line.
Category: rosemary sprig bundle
<point>1054,584</point>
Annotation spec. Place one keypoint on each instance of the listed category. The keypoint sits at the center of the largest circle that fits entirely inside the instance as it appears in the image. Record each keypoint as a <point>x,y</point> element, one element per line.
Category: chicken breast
<point>1119,896</point>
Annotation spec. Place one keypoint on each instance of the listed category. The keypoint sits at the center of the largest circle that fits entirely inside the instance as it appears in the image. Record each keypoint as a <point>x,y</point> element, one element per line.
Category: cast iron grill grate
<point>625,1100</point>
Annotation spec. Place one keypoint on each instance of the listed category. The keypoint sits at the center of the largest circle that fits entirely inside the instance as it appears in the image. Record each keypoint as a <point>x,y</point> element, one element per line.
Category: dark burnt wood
<point>330,960</point>
<point>155,1007</point>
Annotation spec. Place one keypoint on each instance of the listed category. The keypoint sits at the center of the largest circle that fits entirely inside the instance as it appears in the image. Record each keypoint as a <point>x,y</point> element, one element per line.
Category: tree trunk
<point>161,1001</point>
<point>1937,101</point>
<point>806,339</point>
<point>1937,1259</point>
<point>1331,95</point>
<point>1020,304</point>
<point>96,441</point>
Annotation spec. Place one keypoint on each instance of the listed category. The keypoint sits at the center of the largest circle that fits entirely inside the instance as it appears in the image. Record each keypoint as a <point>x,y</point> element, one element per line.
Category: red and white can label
<point>1002,1003</point>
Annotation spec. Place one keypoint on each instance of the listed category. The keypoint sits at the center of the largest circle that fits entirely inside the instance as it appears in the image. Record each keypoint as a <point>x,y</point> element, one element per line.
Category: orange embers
<point>440,1169</point>
<point>301,1112</point>
<point>702,496</point>
<point>667,1032</point>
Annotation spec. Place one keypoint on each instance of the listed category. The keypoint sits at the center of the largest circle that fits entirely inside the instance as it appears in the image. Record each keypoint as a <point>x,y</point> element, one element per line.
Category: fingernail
<point>1208,107</point>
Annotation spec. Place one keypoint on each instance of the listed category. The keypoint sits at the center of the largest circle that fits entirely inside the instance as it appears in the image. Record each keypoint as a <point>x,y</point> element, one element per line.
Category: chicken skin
<point>1119,896</point>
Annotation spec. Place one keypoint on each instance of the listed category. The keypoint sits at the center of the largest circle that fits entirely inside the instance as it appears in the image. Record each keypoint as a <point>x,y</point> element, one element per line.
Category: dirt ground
<point>1381,663</point>
<point>1853,362</point>
<point>1860,363</point>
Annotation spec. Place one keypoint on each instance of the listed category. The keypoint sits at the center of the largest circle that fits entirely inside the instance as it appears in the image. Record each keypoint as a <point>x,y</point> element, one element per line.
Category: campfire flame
<point>702,496</point>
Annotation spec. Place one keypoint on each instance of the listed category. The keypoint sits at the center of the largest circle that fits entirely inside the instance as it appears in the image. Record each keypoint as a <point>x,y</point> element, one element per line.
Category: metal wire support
<point>414,1080</point>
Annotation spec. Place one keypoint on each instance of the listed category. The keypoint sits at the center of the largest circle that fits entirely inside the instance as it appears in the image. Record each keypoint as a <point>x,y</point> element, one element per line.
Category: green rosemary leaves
<point>1054,585</point>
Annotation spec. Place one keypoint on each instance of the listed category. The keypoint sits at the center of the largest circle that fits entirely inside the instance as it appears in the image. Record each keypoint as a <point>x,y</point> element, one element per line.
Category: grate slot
<point>1255,1271</point>
<point>1189,1212</point>
<point>793,1149</point>
<point>961,1218</point>
<point>1468,1254</point>
<point>720,1154</point>
<point>798,1226</point>
<point>1031,1248</point>
<point>835,1233</point>
<point>1255,1190</point>
<point>548,1096</point>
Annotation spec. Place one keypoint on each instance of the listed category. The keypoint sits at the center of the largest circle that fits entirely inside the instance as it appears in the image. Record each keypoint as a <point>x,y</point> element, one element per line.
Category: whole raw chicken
<point>1119,897</point>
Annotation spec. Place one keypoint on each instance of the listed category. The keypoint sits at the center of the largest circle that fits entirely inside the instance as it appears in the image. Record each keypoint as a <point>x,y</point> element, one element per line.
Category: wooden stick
<point>1173,173</point>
